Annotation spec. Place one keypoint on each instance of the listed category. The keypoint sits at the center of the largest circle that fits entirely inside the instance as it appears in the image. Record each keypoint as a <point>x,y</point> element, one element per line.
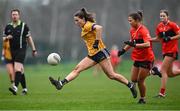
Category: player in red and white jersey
<point>168,33</point>
<point>142,53</point>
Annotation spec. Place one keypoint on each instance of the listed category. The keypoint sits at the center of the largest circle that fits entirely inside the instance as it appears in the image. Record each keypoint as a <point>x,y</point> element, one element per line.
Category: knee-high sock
<point>23,81</point>
<point>17,78</point>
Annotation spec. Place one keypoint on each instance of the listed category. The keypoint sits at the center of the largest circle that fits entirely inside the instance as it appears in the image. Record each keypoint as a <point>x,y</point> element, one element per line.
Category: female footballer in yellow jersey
<point>97,53</point>
<point>7,58</point>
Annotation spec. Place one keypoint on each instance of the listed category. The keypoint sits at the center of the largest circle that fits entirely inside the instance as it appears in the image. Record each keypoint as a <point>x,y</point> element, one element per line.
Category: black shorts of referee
<point>18,55</point>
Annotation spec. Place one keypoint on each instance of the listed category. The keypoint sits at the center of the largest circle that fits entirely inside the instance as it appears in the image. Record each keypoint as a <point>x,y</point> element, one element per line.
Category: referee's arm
<point>31,43</point>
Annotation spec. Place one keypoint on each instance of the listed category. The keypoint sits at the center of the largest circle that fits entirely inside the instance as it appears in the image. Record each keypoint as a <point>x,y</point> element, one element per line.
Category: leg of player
<point>166,65</point>
<point>134,72</point>
<point>143,73</point>
<point>20,69</point>
<point>19,78</point>
<point>10,70</point>
<point>155,71</point>
<point>173,72</point>
<point>23,83</point>
<point>83,65</point>
<point>108,70</point>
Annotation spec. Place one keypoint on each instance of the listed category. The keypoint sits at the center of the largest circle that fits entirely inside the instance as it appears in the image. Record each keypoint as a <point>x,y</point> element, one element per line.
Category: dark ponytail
<point>83,14</point>
<point>140,12</point>
<point>137,16</point>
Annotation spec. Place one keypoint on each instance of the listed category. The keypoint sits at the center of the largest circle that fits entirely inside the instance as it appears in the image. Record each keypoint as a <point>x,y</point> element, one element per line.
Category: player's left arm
<point>176,36</point>
<point>30,40</point>
<point>176,28</point>
<point>32,45</point>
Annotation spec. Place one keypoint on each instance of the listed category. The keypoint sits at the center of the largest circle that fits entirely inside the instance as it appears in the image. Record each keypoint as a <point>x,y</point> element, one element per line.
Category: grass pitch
<point>87,92</point>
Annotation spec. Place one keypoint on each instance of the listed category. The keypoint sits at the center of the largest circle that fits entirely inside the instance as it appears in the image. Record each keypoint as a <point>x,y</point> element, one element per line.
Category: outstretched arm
<point>123,50</point>
<point>155,39</point>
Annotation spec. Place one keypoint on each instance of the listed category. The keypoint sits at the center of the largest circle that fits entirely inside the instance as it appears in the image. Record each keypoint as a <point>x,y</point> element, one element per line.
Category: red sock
<point>162,91</point>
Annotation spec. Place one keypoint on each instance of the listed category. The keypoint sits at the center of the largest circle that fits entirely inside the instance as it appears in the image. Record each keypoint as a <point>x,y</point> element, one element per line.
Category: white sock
<point>15,88</point>
<point>25,89</point>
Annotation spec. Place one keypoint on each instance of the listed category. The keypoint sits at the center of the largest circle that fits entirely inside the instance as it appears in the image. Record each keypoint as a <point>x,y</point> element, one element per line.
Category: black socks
<point>129,85</point>
<point>19,77</point>
<point>23,81</point>
<point>64,81</point>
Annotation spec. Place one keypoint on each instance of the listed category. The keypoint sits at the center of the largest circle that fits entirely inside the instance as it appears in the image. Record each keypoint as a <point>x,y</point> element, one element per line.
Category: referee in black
<point>19,35</point>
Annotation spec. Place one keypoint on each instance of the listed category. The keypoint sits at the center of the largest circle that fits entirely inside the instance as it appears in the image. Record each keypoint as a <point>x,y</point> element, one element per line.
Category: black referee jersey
<point>19,34</point>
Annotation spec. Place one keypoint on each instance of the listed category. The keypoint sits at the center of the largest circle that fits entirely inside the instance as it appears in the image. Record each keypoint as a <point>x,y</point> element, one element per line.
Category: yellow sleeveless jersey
<point>7,52</point>
<point>89,36</point>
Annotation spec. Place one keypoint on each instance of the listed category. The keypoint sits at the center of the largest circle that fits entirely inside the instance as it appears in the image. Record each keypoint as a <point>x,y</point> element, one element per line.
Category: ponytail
<point>137,16</point>
<point>140,12</point>
<point>83,14</point>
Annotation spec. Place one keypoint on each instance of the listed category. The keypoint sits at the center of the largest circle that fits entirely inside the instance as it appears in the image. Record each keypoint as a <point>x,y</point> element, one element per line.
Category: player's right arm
<point>6,34</point>
<point>155,39</point>
<point>123,50</point>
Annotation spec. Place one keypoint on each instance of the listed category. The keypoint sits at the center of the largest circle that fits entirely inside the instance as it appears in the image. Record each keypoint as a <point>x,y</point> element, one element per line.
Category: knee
<point>170,75</point>
<point>19,69</point>
<point>140,83</point>
<point>134,80</point>
<point>140,80</point>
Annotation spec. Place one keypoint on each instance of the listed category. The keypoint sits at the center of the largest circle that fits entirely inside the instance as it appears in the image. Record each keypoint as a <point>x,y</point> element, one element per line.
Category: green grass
<point>87,92</point>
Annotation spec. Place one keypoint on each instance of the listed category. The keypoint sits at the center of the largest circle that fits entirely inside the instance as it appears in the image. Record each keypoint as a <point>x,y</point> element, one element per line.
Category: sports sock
<point>129,85</point>
<point>23,81</point>
<point>142,98</point>
<point>12,83</point>
<point>25,89</point>
<point>162,91</point>
<point>65,81</point>
<point>17,78</point>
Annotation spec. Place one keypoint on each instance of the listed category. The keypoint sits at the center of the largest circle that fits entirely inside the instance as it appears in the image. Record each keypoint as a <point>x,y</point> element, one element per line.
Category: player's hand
<point>9,37</point>
<point>96,43</point>
<point>2,58</point>
<point>167,39</point>
<point>121,52</point>
<point>130,43</point>
<point>34,53</point>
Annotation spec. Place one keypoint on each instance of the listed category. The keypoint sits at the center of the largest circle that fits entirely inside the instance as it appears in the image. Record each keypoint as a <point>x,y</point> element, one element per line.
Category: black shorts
<point>173,55</point>
<point>18,55</point>
<point>144,64</point>
<point>8,61</point>
<point>100,56</point>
